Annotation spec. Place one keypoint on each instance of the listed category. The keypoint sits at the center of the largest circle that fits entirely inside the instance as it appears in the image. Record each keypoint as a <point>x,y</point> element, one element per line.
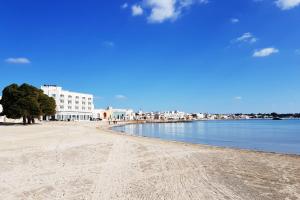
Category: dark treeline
<point>27,102</point>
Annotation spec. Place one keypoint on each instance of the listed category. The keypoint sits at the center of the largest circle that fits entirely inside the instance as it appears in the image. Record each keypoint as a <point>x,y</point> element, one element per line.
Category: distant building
<point>113,114</point>
<point>70,106</point>
<point>200,116</point>
<point>98,114</point>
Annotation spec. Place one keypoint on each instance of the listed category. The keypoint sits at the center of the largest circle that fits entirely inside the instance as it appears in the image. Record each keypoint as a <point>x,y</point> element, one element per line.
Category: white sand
<point>77,161</point>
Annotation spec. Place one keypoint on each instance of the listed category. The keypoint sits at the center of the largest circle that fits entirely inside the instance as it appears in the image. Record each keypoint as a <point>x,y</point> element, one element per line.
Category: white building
<point>71,106</point>
<point>122,114</point>
<point>98,114</point>
<point>113,114</point>
<point>200,115</point>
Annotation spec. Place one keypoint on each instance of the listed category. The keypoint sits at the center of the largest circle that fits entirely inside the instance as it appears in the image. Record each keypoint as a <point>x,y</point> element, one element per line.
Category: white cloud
<point>120,97</point>
<point>238,98</point>
<point>137,10</point>
<point>162,10</point>
<point>287,4</point>
<point>109,44</point>
<point>265,52</point>
<point>246,37</point>
<point>159,11</point>
<point>234,20</point>
<point>17,60</point>
<point>125,5</point>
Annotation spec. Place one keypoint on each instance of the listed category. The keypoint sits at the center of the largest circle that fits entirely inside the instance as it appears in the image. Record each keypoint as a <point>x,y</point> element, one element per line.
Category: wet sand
<point>68,160</point>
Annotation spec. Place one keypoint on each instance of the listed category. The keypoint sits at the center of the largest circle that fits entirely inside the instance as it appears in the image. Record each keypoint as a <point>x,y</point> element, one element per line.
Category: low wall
<point>7,120</point>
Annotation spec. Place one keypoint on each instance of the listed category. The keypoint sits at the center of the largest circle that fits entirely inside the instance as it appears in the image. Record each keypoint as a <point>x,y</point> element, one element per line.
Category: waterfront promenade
<point>70,160</point>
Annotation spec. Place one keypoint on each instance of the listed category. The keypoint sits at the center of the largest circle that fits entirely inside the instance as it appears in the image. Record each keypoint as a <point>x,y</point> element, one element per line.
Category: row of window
<point>70,96</point>
<point>76,108</point>
<point>77,97</point>
<point>76,102</point>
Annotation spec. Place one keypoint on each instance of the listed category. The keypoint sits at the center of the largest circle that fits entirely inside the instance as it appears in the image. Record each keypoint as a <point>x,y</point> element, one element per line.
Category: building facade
<point>113,114</point>
<point>70,106</point>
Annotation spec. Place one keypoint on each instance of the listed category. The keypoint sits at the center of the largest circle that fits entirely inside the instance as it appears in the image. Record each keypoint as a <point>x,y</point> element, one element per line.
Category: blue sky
<point>191,55</point>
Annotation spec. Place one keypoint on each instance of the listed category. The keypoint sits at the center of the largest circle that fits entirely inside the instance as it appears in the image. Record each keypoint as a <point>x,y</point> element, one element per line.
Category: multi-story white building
<point>72,106</point>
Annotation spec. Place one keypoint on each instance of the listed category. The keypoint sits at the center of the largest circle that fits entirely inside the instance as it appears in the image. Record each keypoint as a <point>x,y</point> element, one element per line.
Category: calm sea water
<point>265,135</point>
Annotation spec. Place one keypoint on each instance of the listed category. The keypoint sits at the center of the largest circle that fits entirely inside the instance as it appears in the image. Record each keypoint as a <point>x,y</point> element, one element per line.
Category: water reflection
<point>267,135</point>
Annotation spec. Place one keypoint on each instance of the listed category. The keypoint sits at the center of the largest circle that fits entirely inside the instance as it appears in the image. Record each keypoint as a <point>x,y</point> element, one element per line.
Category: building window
<point>90,103</point>
<point>90,108</point>
<point>53,95</point>
<point>77,97</point>
<point>61,107</point>
<point>77,102</point>
<point>76,107</point>
<point>69,107</point>
<point>69,96</point>
<point>83,108</point>
<point>83,103</point>
<point>83,97</point>
<point>62,96</point>
<point>89,99</point>
<point>69,102</point>
<point>62,101</point>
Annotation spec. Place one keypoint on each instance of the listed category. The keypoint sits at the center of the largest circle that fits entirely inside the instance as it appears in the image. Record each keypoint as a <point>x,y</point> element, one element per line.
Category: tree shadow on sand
<point>16,124</point>
<point>11,124</point>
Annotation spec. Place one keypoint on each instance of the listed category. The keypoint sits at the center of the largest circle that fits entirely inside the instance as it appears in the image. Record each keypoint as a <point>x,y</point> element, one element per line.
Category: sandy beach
<point>69,160</point>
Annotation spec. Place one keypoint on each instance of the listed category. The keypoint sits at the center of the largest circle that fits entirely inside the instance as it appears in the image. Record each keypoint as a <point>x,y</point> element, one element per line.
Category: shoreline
<point>110,129</point>
<point>71,160</point>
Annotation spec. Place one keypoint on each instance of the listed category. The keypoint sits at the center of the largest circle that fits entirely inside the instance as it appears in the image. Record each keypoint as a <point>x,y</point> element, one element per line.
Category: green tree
<point>47,104</point>
<point>30,106</point>
<point>11,101</point>
<point>27,102</point>
<point>274,114</point>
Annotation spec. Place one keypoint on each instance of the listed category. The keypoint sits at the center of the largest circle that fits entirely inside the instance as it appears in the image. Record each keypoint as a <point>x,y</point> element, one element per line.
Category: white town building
<point>70,106</point>
<point>98,114</point>
<point>113,114</point>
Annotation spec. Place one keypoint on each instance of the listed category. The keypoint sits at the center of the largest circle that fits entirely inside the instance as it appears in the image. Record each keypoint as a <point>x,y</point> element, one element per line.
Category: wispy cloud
<point>120,97</point>
<point>159,11</point>
<point>234,20</point>
<point>124,6</point>
<point>20,60</point>
<point>265,52</point>
<point>246,37</point>
<point>137,10</point>
<point>109,44</point>
<point>287,4</point>
<point>238,98</point>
